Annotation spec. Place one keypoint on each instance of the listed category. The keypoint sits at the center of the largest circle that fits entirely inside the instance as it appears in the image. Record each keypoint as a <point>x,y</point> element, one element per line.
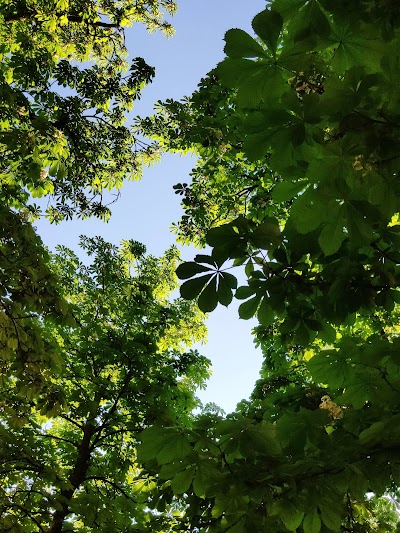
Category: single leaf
<point>206,476</point>
<point>327,333</point>
<point>176,447</point>
<point>330,517</point>
<point>309,23</point>
<point>288,8</point>
<point>182,481</point>
<point>265,314</point>
<point>265,234</point>
<point>190,269</point>
<point>286,190</point>
<point>312,523</point>
<point>268,26</point>
<point>308,212</point>
<point>239,527</point>
<point>201,258</point>
<point>373,433</point>
<point>240,44</point>
<point>224,292</point>
<point>224,235</point>
<point>332,236</point>
<point>291,517</point>
<point>192,288</point>
<point>208,299</point>
<point>230,280</point>
<point>153,440</point>
<point>233,71</point>
<point>244,292</point>
<point>249,308</point>
<point>266,83</point>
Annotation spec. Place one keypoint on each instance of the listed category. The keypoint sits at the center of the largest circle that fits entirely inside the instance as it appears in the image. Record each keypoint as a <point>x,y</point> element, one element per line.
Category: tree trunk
<point>76,478</point>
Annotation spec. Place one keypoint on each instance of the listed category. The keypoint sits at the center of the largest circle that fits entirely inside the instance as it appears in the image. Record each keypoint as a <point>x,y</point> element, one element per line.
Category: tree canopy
<point>68,461</point>
<point>65,89</point>
<point>297,134</point>
<point>297,137</point>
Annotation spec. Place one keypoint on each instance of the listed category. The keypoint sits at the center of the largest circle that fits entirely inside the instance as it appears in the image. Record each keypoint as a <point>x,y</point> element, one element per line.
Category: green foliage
<point>62,132</point>
<point>297,182</point>
<point>69,463</point>
<point>65,90</point>
<point>30,297</point>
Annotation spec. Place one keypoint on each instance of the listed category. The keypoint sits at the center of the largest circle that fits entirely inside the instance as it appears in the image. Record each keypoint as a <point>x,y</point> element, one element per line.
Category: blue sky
<point>147,208</point>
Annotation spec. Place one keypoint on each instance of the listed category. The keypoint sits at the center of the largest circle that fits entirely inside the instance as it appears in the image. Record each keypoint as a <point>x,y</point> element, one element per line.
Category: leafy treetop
<point>298,134</point>
<point>65,89</point>
<point>68,461</point>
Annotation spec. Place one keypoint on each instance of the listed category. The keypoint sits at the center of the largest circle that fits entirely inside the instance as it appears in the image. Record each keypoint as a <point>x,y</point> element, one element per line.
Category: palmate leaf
<point>351,49</point>
<point>240,44</point>
<point>330,367</point>
<point>217,286</point>
<point>268,26</point>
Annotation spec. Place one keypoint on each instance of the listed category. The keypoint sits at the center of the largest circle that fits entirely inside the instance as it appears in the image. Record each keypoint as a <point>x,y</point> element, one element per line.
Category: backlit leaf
<point>192,288</point>
<point>190,269</point>
<point>208,299</point>
<point>249,308</point>
<point>240,44</point>
<point>312,523</point>
<point>268,26</point>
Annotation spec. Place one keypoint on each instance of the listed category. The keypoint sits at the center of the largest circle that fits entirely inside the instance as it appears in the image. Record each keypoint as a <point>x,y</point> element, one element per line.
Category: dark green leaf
<point>224,291</point>
<point>286,190</point>
<point>249,308</point>
<point>239,44</point>
<point>268,26</point>
<point>291,517</point>
<point>244,292</point>
<point>182,481</point>
<point>208,299</point>
<point>265,314</point>
<point>230,280</point>
<point>265,234</point>
<point>330,517</point>
<point>192,288</point>
<point>312,523</point>
<point>190,269</point>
